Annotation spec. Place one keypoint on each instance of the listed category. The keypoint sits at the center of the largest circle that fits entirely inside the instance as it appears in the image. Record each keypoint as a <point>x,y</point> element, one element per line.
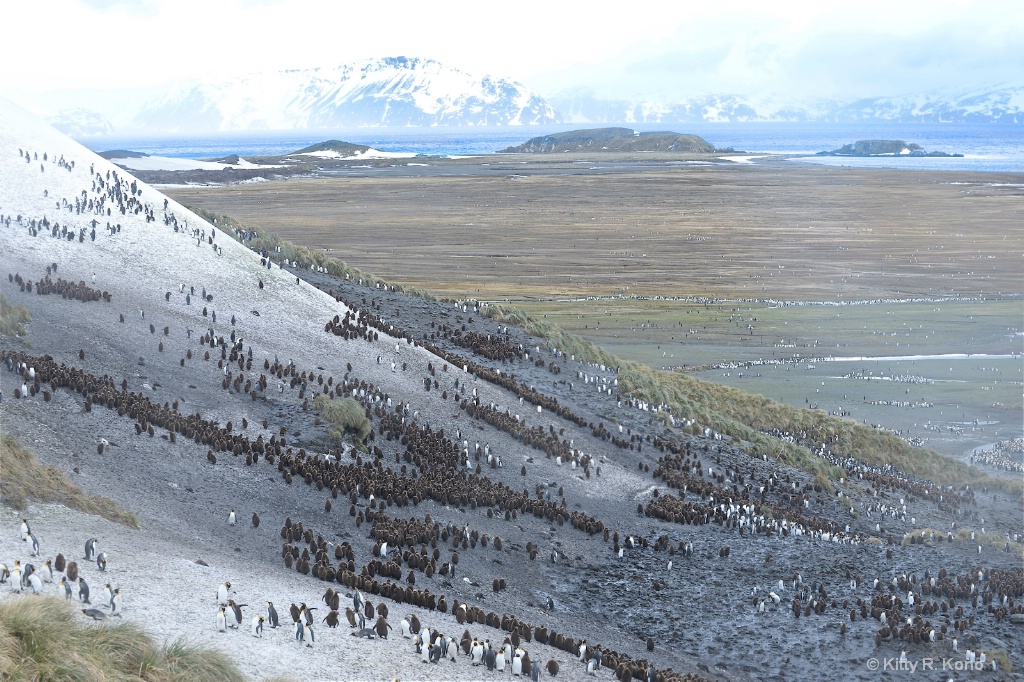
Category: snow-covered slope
<point>392,92</point>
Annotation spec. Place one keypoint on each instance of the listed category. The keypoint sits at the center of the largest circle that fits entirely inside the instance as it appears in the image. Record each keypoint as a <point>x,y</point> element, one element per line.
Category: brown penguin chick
<point>255,520</point>
<point>351,616</point>
<point>331,619</point>
<point>650,644</point>
<point>382,627</point>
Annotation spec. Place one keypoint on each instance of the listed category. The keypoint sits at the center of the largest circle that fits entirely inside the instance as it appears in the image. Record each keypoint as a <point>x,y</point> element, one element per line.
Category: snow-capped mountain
<point>1003,105</point>
<point>391,92</point>
<point>999,105</point>
<point>408,92</point>
<point>81,122</point>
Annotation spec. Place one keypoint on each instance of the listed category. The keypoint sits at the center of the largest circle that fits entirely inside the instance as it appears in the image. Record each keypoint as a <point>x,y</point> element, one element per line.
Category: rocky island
<point>613,140</point>
<point>883,148</point>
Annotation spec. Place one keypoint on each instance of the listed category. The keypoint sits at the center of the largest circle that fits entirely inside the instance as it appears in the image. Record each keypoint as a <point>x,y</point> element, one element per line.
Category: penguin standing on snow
<point>16,575</point>
<point>231,518</point>
<point>272,615</point>
<point>83,591</point>
<point>101,561</point>
<point>90,549</point>
<point>222,593</point>
<point>115,602</point>
<point>35,583</point>
<point>257,626</point>
<point>67,588</point>
<point>222,621</point>
<point>25,530</point>
<point>236,610</point>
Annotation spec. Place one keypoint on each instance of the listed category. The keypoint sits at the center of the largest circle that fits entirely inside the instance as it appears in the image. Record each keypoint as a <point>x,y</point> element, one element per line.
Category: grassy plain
<point>800,233</point>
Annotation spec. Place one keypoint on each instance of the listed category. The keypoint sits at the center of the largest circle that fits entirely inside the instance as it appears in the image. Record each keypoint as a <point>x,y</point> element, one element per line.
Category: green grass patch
<point>45,638</point>
<point>346,414</point>
<point>25,479</point>
<point>13,318</point>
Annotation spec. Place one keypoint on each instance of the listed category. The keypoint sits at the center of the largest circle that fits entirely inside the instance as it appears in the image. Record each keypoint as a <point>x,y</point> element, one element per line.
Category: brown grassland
<point>801,233</point>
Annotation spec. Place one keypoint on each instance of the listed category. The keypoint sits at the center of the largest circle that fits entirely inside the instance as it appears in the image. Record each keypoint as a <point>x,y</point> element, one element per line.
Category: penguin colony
<point>62,577</point>
<point>430,465</point>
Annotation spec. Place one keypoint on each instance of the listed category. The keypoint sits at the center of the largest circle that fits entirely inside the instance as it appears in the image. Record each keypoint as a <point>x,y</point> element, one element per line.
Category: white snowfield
<point>170,163</point>
<point>367,154</point>
<point>164,589</point>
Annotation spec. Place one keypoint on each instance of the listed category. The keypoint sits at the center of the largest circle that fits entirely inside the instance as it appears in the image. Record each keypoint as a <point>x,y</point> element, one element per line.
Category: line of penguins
<point>433,646</point>
<point>28,576</point>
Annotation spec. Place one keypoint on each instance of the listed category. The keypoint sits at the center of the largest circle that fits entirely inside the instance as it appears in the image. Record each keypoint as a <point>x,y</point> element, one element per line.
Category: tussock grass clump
<point>44,638</point>
<point>24,479</point>
<point>346,414</point>
<point>13,318</point>
<point>1003,656</point>
<point>568,343</point>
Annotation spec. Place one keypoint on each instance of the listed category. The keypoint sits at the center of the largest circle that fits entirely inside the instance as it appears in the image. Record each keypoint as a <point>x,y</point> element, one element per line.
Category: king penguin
<point>90,549</point>
<point>222,593</point>
<point>272,615</point>
<point>222,621</point>
<point>34,543</point>
<point>307,635</point>
<point>257,626</point>
<point>231,518</point>
<point>35,583</point>
<point>83,591</point>
<point>115,602</point>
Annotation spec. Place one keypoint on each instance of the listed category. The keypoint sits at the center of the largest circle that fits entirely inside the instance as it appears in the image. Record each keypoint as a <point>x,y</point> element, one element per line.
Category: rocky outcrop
<point>613,140</point>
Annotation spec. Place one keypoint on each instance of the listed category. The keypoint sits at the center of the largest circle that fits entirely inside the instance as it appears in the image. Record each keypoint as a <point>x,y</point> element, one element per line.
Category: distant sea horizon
<point>986,148</point>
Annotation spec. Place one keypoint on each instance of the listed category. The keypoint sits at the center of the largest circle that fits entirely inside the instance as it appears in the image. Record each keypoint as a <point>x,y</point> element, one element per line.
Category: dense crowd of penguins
<point>1007,455</point>
<point>432,465</point>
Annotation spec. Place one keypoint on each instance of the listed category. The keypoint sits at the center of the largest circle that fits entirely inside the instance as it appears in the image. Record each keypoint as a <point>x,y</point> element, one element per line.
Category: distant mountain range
<point>998,105</point>
<point>399,92</point>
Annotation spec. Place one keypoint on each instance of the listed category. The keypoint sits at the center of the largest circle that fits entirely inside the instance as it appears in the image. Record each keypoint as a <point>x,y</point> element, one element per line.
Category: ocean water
<point>986,148</point>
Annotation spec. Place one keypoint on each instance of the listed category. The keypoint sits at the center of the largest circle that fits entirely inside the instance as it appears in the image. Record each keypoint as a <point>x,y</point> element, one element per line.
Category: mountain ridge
<point>396,92</point>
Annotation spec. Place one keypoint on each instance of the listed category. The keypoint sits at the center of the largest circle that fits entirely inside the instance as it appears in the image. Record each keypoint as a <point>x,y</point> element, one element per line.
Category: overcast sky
<point>655,50</point>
